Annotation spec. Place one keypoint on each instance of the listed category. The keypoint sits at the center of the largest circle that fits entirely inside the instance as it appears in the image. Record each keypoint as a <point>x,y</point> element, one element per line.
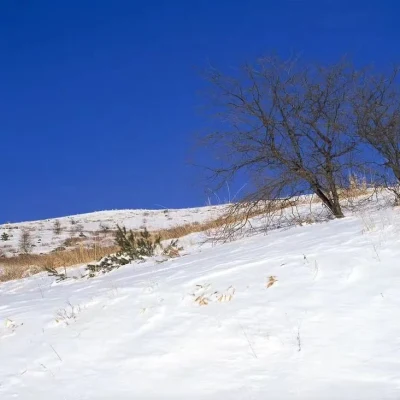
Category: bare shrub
<point>104,228</point>
<point>25,242</point>
<point>77,228</point>
<point>57,227</point>
<point>72,241</point>
<point>67,315</point>
<point>237,218</point>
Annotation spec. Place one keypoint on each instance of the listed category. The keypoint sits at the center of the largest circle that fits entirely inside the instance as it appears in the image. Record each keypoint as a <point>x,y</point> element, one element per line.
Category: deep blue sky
<point>99,100</point>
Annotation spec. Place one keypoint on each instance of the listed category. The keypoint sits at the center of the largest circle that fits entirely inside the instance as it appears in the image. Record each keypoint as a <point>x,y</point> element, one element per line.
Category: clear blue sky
<point>99,100</point>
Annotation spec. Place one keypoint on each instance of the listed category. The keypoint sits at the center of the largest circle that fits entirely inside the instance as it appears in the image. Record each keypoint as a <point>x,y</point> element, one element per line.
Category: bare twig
<point>248,341</point>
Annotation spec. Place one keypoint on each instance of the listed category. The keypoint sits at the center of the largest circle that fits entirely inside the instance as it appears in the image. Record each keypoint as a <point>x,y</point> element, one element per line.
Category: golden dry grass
<point>25,264</point>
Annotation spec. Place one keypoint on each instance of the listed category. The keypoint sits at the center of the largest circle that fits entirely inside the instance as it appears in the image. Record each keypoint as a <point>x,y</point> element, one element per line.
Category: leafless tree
<point>288,127</point>
<point>378,125</point>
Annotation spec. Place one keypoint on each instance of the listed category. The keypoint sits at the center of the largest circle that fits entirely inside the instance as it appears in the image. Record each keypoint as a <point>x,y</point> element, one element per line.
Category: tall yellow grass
<point>25,264</point>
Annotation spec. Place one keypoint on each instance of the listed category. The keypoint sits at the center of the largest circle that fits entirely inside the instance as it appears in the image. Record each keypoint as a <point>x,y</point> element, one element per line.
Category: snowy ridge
<point>309,312</point>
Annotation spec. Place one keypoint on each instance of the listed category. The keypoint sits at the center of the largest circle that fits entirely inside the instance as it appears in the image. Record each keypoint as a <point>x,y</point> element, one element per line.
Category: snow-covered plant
<point>68,314</point>
<point>60,276</point>
<point>173,249</point>
<point>108,263</point>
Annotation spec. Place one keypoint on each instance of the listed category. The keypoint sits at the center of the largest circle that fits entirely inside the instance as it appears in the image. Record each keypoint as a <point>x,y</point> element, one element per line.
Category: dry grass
<point>357,187</point>
<point>230,218</point>
<point>73,241</point>
<point>271,281</point>
<point>26,264</point>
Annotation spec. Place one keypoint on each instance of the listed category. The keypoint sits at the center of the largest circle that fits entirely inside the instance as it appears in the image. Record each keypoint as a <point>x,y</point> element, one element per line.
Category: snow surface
<point>45,240</point>
<point>310,312</point>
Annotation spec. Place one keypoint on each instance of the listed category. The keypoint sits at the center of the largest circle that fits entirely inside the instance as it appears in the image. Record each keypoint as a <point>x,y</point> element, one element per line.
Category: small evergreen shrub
<point>5,236</point>
<point>137,244</point>
<point>134,246</point>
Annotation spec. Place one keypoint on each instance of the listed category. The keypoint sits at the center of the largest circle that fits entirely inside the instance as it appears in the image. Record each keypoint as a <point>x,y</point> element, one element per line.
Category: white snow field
<point>311,312</point>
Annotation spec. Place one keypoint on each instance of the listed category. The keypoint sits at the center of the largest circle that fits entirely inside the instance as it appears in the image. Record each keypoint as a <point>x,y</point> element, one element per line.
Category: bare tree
<point>288,126</point>
<point>378,125</point>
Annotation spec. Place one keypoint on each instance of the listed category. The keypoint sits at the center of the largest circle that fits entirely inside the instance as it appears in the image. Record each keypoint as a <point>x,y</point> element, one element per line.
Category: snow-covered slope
<point>310,312</point>
<point>45,239</point>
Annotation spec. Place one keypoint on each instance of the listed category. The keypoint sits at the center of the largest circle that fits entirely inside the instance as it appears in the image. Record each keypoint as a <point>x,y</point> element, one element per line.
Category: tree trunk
<point>334,207</point>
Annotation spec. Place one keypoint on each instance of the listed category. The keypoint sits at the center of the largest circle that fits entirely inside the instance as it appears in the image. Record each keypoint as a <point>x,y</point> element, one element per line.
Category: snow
<point>310,312</point>
<point>45,240</point>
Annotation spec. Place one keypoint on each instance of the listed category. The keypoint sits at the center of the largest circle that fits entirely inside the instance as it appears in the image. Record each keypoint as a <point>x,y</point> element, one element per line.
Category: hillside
<point>302,312</point>
<point>89,226</point>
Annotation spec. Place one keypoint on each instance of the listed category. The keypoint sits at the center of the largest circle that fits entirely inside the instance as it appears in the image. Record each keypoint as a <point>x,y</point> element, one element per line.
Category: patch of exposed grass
<point>26,264</point>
